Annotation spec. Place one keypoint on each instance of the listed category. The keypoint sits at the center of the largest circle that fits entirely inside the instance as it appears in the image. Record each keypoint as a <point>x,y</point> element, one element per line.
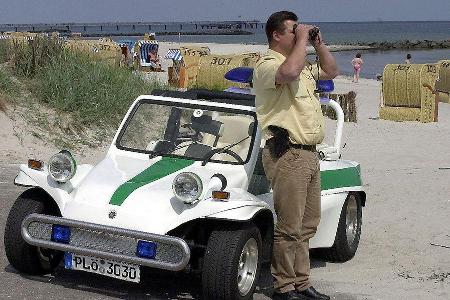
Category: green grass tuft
<point>8,86</point>
<point>3,51</point>
<point>29,56</point>
<point>94,92</point>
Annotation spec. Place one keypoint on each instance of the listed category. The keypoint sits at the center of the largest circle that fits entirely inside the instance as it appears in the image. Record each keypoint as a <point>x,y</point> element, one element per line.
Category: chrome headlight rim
<point>194,178</point>
<point>69,161</point>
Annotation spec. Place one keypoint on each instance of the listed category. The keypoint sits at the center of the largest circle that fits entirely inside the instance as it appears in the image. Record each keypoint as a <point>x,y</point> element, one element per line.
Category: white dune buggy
<point>181,188</point>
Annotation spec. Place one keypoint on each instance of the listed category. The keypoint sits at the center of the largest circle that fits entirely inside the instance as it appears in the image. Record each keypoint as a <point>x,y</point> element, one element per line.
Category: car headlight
<point>62,166</point>
<point>187,187</point>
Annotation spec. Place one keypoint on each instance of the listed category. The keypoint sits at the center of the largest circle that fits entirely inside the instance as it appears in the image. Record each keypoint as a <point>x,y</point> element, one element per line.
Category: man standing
<point>289,112</point>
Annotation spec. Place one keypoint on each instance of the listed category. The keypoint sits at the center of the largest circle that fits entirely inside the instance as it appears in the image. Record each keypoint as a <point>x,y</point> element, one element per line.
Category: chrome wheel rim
<point>248,263</point>
<point>351,219</point>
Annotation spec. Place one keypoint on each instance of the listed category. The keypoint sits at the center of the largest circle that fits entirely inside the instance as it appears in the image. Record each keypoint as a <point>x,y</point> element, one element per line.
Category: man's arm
<point>327,61</point>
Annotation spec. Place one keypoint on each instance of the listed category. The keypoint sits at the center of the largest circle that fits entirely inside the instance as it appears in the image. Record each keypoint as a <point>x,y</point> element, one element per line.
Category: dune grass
<point>89,96</point>
<point>94,92</point>
<point>8,86</point>
<point>30,56</point>
<point>3,50</point>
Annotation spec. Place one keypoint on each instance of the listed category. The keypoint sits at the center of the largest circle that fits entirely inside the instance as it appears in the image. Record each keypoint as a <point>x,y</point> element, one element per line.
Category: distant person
<point>356,63</point>
<point>408,58</point>
<point>153,58</point>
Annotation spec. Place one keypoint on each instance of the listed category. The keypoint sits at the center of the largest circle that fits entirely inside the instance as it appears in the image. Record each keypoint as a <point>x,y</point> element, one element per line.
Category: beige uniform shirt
<point>293,106</point>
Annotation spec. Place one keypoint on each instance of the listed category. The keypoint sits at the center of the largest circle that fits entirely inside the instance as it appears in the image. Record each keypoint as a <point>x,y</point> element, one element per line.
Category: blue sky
<point>63,11</point>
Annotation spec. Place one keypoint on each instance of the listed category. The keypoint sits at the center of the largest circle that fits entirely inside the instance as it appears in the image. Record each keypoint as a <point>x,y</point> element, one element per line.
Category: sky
<point>86,11</point>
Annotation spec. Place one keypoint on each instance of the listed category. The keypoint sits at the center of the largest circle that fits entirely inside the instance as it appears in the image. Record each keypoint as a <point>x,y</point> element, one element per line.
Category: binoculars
<point>313,32</point>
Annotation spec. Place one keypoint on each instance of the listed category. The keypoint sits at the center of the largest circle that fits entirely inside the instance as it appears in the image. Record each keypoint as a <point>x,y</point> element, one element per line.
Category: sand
<point>406,171</point>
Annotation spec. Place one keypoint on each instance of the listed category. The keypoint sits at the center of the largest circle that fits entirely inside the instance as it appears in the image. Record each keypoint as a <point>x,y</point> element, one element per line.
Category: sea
<point>351,33</point>
<point>333,32</point>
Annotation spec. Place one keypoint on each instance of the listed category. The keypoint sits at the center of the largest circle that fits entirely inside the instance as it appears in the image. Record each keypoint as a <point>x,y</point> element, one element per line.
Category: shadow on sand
<point>155,284</point>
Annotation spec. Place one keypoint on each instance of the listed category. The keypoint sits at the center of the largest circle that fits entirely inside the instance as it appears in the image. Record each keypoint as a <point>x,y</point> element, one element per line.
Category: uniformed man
<point>289,112</point>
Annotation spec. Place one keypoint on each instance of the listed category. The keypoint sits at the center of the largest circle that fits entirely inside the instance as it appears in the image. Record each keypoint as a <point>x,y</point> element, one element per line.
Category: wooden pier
<point>87,29</point>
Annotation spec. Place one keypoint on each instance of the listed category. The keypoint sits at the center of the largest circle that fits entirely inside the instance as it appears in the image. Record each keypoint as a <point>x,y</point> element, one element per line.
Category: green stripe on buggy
<point>333,179</point>
<point>162,168</point>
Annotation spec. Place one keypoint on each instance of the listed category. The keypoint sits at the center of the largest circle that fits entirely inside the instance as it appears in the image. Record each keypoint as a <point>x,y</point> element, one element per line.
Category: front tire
<point>348,232</point>
<point>22,256</point>
<point>231,264</point>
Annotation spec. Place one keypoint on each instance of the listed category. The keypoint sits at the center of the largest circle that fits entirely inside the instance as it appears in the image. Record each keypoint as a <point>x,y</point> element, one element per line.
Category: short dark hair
<point>276,22</point>
<point>358,55</point>
<point>408,56</point>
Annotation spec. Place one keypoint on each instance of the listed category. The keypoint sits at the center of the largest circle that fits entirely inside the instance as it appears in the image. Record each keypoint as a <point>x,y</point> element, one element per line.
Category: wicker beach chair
<point>145,47</point>
<point>174,71</point>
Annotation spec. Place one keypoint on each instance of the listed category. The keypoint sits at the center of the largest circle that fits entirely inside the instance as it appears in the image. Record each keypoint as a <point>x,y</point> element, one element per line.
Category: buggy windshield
<point>189,131</point>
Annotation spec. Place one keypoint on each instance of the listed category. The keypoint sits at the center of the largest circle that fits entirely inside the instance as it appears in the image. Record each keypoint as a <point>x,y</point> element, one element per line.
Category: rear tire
<point>348,232</point>
<point>231,264</point>
<point>24,257</point>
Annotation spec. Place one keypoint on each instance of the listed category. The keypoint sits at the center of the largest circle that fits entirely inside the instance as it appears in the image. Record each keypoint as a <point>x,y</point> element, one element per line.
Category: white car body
<point>181,188</point>
<point>153,207</point>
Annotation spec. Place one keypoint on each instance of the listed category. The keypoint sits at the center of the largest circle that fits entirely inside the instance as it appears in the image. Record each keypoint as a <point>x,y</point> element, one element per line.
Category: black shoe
<point>291,295</point>
<point>311,293</point>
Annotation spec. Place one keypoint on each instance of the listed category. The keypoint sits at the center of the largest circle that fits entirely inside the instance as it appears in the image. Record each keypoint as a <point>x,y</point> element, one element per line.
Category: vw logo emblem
<point>112,214</point>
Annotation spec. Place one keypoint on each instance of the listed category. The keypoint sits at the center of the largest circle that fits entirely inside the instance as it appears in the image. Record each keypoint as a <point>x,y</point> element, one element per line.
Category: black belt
<point>311,148</point>
<point>304,147</point>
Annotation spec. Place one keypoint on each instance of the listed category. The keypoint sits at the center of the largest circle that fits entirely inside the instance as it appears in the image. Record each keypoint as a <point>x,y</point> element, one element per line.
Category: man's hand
<point>302,32</point>
<point>318,41</point>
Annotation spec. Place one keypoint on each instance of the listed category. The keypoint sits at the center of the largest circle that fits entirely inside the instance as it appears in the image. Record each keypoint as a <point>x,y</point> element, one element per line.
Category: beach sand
<point>406,171</point>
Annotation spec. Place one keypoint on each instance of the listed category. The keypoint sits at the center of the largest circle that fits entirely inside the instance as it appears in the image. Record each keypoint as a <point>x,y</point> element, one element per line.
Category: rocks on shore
<point>407,44</point>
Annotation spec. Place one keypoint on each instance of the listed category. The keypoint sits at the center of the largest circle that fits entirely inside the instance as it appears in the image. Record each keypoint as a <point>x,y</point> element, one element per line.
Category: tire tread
<point>220,263</point>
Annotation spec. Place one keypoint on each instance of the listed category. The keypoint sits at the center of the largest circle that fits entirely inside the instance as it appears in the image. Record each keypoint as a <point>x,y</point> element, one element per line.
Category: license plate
<point>102,266</point>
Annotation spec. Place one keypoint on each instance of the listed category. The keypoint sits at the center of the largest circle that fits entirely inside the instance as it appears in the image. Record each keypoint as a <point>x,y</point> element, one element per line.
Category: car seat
<point>235,129</point>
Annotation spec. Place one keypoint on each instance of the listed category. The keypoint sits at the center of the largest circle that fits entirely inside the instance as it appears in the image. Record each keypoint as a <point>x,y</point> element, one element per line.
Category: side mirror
<point>240,74</point>
<point>325,86</point>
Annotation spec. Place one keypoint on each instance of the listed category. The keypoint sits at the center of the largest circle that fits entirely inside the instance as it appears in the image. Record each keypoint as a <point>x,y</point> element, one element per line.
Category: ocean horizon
<point>341,32</point>
<point>333,32</point>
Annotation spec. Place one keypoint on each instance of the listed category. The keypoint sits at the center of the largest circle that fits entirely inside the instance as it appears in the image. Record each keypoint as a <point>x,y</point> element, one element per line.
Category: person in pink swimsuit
<point>356,63</point>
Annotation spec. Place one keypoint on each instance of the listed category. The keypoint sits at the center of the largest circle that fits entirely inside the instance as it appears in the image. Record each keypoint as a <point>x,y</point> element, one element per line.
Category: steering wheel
<point>213,152</point>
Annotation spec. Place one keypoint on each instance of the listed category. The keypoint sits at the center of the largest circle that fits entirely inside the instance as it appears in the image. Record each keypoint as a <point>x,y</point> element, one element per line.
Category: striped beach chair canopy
<point>126,43</point>
<point>145,47</point>
<point>174,54</point>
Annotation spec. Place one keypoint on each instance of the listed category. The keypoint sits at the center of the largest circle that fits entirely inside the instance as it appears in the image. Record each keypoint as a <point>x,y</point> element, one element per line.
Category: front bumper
<point>106,242</point>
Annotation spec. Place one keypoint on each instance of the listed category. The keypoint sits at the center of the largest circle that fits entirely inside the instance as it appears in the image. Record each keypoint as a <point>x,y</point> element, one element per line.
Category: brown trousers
<point>295,180</point>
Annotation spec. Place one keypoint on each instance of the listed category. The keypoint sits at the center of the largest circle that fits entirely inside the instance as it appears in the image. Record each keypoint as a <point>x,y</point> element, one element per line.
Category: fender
<point>331,211</point>
<point>60,192</point>
<point>326,231</point>
<point>243,213</point>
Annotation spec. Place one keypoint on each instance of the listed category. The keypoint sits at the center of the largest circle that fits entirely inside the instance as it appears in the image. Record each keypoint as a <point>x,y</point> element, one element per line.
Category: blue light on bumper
<point>146,249</point>
<point>68,260</point>
<point>60,234</point>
